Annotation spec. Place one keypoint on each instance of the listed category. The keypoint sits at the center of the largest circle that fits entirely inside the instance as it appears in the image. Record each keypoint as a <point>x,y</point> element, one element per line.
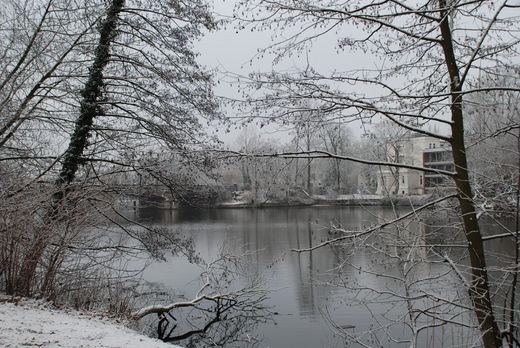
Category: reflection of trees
<point>305,292</point>
<point>398,277</point>
<point>228,306</point>
<point>272,233</point>
<point>409,278</point>
<point>315,269</point>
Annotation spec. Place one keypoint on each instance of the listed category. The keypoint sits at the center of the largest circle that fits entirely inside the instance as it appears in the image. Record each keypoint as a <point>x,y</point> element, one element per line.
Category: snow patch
<point>32,323</point>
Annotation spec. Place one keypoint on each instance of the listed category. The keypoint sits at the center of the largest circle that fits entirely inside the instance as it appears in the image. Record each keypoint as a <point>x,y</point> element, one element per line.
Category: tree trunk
<point>309,160</point>
<point>89,108</point>
<point>479,290</point>
<point>512,303</point>
<point>338,175</point>
<point>397,171</point>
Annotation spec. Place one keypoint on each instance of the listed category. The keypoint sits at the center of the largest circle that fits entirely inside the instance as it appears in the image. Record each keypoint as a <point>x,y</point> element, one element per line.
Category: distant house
<point>437,158</point>
<point>414,150</point>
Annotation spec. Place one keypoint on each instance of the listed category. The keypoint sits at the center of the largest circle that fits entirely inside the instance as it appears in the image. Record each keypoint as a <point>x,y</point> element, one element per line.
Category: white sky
<point>232,50</point>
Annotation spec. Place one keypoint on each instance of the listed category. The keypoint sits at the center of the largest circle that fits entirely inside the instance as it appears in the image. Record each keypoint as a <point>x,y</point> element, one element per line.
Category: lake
<point>363,287</point>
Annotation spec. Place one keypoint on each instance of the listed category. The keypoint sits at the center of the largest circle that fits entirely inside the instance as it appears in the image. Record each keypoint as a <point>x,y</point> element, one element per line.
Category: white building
<point>412,150</point>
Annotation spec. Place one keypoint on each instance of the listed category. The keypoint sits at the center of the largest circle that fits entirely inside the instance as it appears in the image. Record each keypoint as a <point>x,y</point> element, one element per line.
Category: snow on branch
<point>312,154</point>
<point>355,234</point>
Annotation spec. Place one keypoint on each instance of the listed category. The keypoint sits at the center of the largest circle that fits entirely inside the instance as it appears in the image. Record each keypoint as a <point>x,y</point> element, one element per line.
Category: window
<point>420,180</point>
<point>403,179</point>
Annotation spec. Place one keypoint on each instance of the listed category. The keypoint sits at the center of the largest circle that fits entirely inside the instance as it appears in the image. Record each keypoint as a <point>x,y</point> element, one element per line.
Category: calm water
<point>355,285</point>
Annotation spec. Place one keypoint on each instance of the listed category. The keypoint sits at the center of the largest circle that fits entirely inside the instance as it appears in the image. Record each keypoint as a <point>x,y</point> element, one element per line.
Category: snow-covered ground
<point>31,323</point>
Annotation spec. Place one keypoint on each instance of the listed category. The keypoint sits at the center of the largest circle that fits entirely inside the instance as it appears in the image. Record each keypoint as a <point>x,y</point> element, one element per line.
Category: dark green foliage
<point>89,106</point>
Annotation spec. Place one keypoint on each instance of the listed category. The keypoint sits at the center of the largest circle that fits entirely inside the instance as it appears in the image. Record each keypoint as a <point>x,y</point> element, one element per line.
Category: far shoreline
<point>321,201</point>
<point>354,200</point>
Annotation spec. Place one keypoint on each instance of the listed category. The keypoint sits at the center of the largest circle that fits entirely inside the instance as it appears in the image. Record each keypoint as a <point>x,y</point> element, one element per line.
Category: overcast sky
<point>232,50</point>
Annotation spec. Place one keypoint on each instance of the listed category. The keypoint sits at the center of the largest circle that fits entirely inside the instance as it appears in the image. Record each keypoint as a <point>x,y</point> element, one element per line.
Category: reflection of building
<point>415,150</point>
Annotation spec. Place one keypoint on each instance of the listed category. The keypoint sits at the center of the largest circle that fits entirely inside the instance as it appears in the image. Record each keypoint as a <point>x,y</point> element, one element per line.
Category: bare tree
<point>434,50</point>
<point>494,159</point>
<point>335,137</point>
<point>114,82</point>
<point>42,42</point>
<point>389,148</point>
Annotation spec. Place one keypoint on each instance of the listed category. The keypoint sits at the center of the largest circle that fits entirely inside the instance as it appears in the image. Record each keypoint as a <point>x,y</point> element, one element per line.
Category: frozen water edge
<point>32,323</point>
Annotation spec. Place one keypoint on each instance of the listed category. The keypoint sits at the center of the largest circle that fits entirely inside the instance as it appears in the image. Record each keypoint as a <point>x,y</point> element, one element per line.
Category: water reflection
<point>361,285</point>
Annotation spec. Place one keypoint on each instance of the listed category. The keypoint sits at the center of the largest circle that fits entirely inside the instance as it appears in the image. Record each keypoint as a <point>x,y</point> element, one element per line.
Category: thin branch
<point>378,227</point>
<point>325,154</point>
<point>479,45</point>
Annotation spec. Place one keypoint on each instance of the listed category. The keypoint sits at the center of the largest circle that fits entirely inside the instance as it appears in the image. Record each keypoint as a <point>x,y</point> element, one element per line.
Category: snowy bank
<point>32,323</point>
